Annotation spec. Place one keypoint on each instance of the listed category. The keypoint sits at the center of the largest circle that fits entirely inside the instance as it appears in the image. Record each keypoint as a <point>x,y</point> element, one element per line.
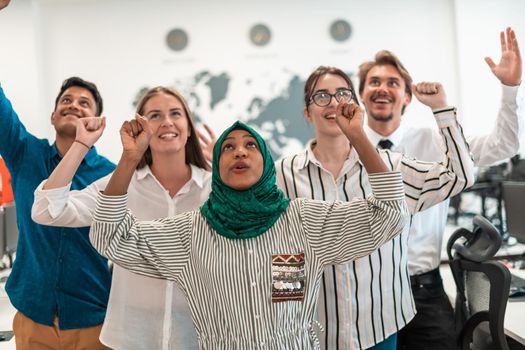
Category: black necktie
<point>385,144</point>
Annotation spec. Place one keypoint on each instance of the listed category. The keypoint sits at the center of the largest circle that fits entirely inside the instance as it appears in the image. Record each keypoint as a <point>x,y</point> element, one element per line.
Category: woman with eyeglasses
<point>250,260</point>
<point>363,304</point>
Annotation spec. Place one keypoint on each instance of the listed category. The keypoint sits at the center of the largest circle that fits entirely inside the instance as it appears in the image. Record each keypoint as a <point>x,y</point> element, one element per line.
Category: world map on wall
<point>274,108</point>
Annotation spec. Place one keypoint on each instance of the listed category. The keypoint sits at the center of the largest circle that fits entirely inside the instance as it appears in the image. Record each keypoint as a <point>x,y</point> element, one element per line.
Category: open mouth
<point>329,114</point>
<point>239,167</point>
<point>382,100</point>
<point>170,135</point>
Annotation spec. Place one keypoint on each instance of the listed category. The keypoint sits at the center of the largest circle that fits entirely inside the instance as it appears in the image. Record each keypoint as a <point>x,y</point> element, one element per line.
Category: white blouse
<point>143,313</point>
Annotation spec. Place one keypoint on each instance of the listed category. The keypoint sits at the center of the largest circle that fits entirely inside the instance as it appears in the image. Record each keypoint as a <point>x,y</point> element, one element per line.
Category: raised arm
<point>504,140</point>
<point>13,142</point>
<point>88,131</point>
<point>141,247</point>
<point>344,231</point>
<point>429,183</point>
<point>135,136</point>
<point>158,248</point>
<point>54,203</point>
<point>349,118</point>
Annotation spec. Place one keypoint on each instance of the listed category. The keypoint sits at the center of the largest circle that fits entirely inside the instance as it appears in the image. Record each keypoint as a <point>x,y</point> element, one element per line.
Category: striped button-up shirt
<point>261,292</point>
<point>155,309</point>
<point>364,302</point>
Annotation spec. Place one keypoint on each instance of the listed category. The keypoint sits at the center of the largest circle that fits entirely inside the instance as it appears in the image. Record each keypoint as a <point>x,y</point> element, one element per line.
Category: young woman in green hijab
<point>250,260</point>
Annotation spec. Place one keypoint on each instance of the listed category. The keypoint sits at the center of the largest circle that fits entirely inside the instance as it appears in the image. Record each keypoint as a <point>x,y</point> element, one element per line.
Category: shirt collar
<point>89,158</point>
<point>308,156</point>
<point>394,137</point>
<point>197,174</point>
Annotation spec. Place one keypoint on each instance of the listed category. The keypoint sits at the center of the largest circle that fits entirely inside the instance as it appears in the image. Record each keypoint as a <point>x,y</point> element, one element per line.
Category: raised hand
<point>207,142</point>
<point>89,130</point>
<point>508,70</point>
<point>349,118</point>
<point>430,94</point>
<point>4,3</point>
<point>135,136</point>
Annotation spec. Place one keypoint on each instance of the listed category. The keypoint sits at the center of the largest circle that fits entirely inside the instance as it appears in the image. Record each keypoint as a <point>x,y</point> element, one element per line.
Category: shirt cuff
<point>387,186</point>
<point>509,94</point>
<point>111,208</point>
<point>445,117</point>
<point>56,198</point>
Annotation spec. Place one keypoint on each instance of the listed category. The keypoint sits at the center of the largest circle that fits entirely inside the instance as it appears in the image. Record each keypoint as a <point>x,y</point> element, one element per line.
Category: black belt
<point>429,278</point>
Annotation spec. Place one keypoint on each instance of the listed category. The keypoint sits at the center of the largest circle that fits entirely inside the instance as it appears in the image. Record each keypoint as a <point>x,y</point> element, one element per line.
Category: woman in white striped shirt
<point>250,260</point>
<point>172,178</point>
<point>364,303</point>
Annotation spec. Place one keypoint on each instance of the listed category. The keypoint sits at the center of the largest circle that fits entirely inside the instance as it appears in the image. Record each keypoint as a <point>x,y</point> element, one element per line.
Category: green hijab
<point>248,213</point>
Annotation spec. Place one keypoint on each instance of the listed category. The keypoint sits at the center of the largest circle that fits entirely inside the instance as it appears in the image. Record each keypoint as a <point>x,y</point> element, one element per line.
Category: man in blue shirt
<point>59,284</point>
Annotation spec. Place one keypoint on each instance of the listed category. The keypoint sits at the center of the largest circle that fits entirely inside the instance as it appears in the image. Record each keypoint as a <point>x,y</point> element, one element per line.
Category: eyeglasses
<point>324,98</point>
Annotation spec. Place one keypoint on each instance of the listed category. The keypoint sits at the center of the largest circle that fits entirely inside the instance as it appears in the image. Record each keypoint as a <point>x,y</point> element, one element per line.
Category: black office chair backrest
<point>480,244</point>
<point>482,286</point>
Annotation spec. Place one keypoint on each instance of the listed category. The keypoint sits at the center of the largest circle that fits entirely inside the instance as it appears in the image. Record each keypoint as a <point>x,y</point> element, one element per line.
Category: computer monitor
<point>517,169</point>
<point>514,200</point>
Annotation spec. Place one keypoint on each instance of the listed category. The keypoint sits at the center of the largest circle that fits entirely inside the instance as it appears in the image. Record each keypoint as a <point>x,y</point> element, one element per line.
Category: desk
<point>514,323</point>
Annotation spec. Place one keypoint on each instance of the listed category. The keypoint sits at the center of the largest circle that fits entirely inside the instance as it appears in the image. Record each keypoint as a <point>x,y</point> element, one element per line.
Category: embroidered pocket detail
<point>288,278</point>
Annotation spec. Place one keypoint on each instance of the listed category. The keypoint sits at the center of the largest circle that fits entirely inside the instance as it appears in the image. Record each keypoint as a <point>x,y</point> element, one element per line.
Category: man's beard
<point>382,119</point>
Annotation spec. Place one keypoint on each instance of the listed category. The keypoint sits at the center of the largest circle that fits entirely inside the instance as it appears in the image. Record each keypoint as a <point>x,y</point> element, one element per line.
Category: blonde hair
<point>193,150</point>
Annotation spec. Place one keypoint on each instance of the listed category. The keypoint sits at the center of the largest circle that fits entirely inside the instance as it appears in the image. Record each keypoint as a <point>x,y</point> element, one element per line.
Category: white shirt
<point>260,292</point>
<point>143,313</point>
<point>366,301</point>
<point>427,228</point>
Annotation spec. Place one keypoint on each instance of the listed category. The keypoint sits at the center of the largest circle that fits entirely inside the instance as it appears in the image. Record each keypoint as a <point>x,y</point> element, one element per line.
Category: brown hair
<point>192,148</point>
<point>383,58</point>
<point>311,82</point>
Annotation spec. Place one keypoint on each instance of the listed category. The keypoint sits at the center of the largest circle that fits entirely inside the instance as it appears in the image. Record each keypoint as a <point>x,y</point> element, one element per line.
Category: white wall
<point>478,23</point>
<point>120,45</point>
<point>20,67</point>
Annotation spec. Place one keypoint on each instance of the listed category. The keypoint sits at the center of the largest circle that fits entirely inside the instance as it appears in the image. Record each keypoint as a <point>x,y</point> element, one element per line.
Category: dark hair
<point>384,58</point>
<point>311,82</point>
<point>193,150</point>
<point>92,88</point>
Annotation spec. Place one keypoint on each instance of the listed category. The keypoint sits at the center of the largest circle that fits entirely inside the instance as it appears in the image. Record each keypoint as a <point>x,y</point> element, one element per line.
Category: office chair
<point>482,286</point>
